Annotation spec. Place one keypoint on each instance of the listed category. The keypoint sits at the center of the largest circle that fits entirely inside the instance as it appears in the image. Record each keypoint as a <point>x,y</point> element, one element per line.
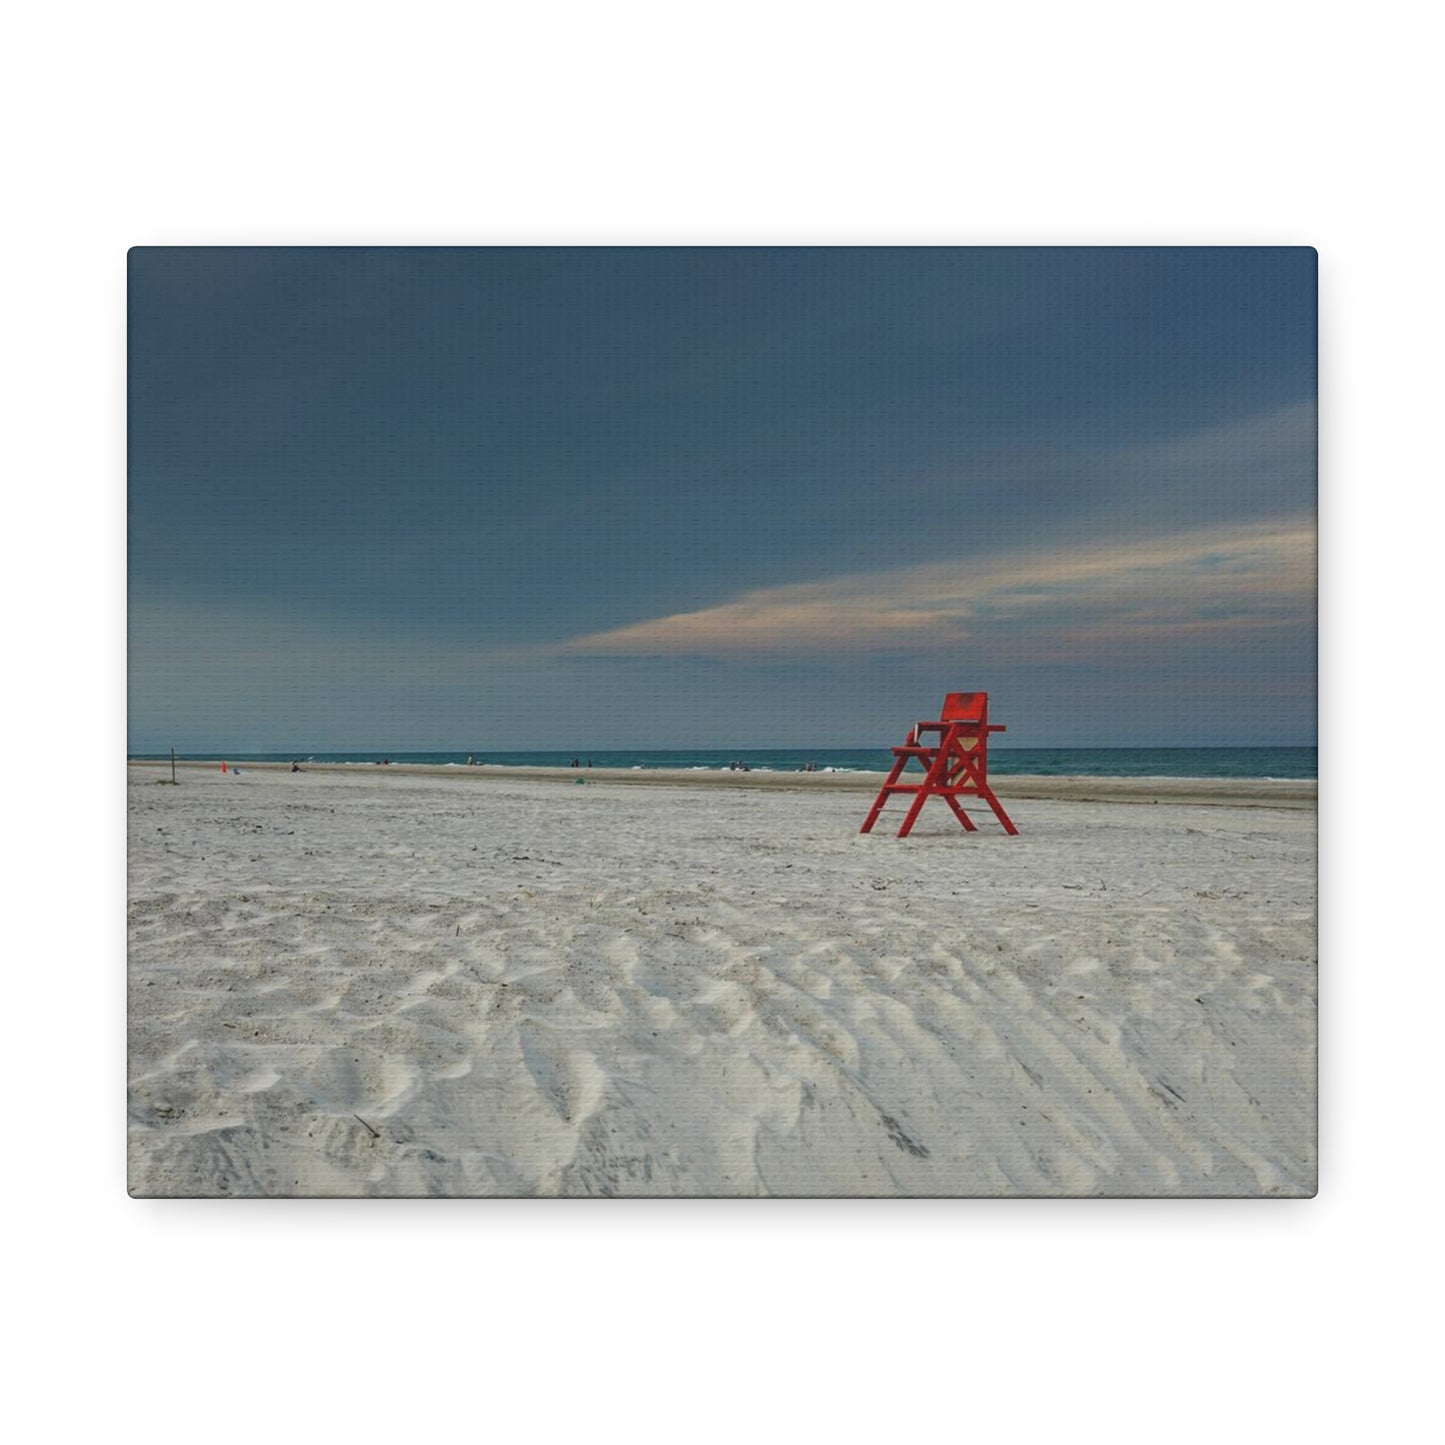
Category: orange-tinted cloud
<point>1215,580</point>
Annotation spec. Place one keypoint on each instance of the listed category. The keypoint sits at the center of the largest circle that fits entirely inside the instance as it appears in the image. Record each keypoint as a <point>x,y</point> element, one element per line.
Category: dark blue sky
<point>491,498</point>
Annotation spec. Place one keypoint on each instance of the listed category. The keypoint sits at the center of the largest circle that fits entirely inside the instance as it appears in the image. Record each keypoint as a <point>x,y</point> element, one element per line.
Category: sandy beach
<point>424,981</point>
<point>1232,792</point>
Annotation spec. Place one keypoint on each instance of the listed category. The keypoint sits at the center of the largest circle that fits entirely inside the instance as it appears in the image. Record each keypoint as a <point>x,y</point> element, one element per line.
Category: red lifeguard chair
<point>954,766</point>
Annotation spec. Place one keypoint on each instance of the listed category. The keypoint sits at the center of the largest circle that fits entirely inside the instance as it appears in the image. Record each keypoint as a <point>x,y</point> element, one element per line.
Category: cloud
<point>1211,581</point>
<point>1256,466</point>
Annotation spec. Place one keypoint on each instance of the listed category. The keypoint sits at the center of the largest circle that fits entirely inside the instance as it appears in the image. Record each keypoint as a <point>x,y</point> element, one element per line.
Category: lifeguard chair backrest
<point>964,707</point>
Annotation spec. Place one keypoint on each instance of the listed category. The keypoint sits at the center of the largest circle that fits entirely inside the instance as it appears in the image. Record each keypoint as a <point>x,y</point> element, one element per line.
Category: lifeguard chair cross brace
<point>954,766</point>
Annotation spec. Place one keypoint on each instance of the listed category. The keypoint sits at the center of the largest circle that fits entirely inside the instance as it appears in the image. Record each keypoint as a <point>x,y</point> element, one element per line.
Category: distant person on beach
<point>295,765</point>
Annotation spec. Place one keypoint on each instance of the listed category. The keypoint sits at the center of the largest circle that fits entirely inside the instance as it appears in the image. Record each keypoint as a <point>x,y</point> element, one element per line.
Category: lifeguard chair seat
<point>954,762</point>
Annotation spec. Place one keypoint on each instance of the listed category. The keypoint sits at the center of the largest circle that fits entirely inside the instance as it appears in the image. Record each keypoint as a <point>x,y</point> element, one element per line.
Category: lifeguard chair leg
<point>969,825</point>
<point>885,792</point>
<point>911,816</point>
<point>874,811</point>
<point>986,794</point>
<point>937,771</point>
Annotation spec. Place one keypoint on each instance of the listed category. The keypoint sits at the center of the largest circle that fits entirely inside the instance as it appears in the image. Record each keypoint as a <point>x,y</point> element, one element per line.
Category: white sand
<point>347,983</point>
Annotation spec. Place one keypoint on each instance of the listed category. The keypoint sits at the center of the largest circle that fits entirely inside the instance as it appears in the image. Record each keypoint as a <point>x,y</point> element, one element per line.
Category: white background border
<point>756,124</point>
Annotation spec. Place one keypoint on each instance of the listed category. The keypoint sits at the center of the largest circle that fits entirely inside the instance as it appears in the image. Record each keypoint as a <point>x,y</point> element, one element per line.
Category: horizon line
<point>218,749</point>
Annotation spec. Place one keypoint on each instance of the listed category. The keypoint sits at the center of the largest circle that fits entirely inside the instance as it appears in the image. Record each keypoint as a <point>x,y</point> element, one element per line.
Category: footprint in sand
<point>569,1079</point>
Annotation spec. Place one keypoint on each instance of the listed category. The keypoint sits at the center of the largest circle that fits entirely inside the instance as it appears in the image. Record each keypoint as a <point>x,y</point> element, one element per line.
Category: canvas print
<point>726,722</point>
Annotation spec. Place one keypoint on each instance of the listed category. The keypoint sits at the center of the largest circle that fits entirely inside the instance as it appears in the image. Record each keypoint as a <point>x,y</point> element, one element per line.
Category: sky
<point>485,499</point>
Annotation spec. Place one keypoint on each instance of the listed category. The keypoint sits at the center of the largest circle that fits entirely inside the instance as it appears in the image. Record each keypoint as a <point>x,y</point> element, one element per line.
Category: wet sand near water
<point>1295,793</point>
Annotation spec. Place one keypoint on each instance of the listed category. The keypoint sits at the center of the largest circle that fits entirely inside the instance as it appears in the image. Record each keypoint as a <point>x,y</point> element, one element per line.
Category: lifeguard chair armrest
<point>989,728</point>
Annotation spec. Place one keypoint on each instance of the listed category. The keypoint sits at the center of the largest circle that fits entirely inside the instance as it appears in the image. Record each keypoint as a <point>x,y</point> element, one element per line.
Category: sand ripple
<point>350,986</point>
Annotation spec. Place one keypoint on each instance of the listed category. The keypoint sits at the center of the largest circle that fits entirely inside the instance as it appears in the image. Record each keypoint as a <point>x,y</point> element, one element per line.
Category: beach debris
<point>375,1133</point>
<point>902,1138</point>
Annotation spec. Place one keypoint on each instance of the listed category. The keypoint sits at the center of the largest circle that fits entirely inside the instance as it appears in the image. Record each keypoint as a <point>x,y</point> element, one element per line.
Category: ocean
<point>1294,762</point>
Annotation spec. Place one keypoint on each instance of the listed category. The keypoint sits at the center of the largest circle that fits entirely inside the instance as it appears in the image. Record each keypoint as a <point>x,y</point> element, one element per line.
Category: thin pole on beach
<point>173,764</point>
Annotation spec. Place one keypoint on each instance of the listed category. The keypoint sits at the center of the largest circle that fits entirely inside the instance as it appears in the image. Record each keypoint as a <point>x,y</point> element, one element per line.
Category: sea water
<point>1276,762</point>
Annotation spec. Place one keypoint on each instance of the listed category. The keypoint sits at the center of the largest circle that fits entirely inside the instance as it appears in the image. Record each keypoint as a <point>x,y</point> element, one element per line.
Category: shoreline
<point>1293,793</point>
